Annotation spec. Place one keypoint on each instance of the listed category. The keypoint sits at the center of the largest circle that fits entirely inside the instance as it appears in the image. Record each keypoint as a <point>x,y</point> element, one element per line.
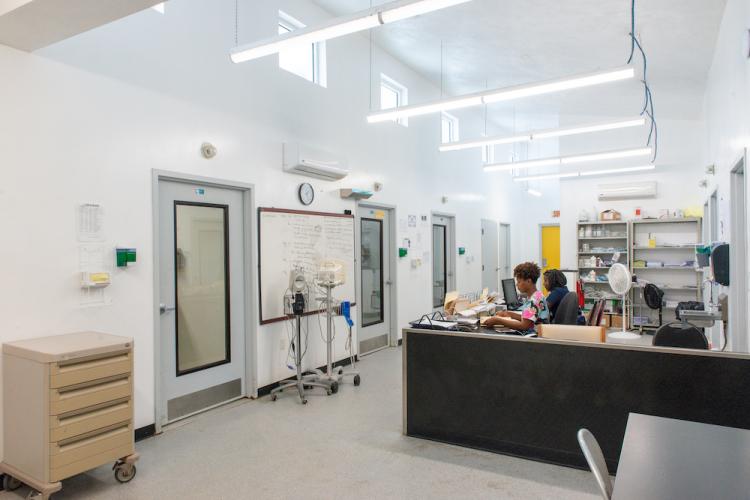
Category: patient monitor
<point>331,272</point>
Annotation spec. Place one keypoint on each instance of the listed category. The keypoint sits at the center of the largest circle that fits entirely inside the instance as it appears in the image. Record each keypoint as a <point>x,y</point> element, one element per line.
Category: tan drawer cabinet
<point>68,408</point>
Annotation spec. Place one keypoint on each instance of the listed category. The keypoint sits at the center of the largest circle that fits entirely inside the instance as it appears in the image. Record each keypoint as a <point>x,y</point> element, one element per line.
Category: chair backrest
<point>595,316</point>
<point>567,311</point>
<point>595,459</point>
<point>679,335</point>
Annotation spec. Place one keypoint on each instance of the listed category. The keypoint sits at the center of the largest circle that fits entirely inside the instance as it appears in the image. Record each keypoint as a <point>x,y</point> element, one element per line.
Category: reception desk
<point>528,397</point>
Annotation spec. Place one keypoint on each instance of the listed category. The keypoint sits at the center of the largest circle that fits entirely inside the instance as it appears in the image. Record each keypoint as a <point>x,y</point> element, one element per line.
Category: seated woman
<point>534,310</point>
<point>556,283</point>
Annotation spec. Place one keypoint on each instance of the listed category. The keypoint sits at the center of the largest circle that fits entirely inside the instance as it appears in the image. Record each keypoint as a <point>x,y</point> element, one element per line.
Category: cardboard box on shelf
<point>610,215</point>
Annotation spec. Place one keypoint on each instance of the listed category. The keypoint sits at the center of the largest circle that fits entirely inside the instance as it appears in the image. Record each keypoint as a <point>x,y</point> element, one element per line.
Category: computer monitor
<point>510,294</point>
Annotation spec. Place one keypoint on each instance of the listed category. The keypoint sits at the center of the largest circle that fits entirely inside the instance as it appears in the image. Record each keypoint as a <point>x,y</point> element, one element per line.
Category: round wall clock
<point>306,193</point>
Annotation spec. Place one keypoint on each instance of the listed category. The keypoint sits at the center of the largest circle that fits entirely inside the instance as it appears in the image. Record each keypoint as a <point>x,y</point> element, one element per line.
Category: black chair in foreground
<point>683,335</point>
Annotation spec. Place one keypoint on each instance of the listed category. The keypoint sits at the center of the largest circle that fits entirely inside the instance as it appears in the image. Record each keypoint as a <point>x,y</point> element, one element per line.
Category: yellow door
<point>550,248</point>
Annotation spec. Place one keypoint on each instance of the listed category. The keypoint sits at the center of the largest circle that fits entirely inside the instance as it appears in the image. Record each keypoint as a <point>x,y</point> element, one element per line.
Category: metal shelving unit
<point>599,241</point>
<point>678,278</point>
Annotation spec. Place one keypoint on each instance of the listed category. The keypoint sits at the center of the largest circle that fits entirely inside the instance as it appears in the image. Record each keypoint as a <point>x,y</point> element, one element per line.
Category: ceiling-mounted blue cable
<point>632,31</point>
<point>648,100</point>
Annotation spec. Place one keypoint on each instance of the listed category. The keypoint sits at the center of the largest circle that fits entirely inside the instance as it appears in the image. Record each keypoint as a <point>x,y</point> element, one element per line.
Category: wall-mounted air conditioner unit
<point>304,160</point>
<point>627,191</point>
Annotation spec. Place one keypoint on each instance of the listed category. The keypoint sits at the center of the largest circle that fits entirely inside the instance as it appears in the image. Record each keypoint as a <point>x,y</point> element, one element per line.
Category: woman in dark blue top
<point>556,283</point>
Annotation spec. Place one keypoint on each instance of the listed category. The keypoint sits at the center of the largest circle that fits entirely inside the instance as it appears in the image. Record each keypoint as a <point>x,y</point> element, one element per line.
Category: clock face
<point>306,193</point>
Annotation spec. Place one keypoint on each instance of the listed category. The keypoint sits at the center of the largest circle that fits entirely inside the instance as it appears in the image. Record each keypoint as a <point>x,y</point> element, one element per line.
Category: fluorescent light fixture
<point>340,26</point>
<point>588,129</point>
<point>543,134</point>
<point>506,167</point>
<point>534,192</point>
<point>559,85</point>
<point>159,7</point>
<point>568,160</point>
<point>588,173</point>
<point>616,170</point>
<point>506,94</point>
<point>489,141</point>
<point>611,155</point>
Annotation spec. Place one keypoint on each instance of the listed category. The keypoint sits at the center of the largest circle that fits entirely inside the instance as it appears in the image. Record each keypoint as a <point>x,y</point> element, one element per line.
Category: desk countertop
<point>642,344</point>
<point>665,459</point>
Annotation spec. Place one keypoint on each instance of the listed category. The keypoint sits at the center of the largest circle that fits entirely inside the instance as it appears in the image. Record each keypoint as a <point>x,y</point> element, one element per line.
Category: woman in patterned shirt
<point>534,310</point>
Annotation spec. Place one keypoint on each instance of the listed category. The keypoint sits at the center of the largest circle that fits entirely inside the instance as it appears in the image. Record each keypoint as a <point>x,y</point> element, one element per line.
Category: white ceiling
<point>32,24</point>
<point>497,43</point>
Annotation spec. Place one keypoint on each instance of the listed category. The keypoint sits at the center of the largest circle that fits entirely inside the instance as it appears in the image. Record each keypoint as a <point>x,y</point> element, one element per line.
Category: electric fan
<point>620,282</point>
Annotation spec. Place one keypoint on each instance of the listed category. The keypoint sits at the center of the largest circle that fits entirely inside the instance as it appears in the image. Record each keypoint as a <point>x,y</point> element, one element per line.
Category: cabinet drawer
<point>68,425</point>
<point>77,397</point>
<point>76,372</point>
<point>90,450</point>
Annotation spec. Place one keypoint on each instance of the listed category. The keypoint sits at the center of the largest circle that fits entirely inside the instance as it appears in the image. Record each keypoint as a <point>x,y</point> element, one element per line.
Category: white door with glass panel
<point>504,252</point>
<point>443,259</point>
<point>375,280</point>
<point>490,256</point>
<point>202,297</point>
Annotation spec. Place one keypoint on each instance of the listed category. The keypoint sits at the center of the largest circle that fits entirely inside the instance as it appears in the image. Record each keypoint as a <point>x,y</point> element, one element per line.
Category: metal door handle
<point>164,309</point>
<point>388,282</point>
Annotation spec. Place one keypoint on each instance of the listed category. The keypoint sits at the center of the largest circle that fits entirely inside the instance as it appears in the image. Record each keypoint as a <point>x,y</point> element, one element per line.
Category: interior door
<point>202,288</point>
<point>504,252</point>
<point>375,280</point>
<point>550,248</point>
<point>443,258</point>
<point>490,256</point>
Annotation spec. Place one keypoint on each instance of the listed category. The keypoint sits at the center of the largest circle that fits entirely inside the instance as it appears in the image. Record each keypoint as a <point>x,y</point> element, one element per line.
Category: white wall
<point>727,112</point>
<point>147,92</point>
<point>679,166</point>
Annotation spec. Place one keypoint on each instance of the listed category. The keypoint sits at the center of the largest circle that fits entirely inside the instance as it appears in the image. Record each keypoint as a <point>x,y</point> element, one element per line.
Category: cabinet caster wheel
<point>10,483</point>
<point>334,387</point>
<point>124,473</point>
<point>328,393</point>
<point>34,495</point>
<point>304,401</point>
<point>274,397</point>
<point>356,380</point>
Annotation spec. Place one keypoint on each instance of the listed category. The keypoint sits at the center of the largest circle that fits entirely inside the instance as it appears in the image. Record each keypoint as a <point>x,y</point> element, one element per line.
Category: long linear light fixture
<point>568,160</point>
<point>505,94</point>
<point>586,173</point>
<point>340,26</point>
<point>543,134</point>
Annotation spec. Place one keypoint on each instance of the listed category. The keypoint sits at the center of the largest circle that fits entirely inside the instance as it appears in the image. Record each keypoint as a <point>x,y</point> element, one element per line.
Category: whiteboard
<point>289,239</point>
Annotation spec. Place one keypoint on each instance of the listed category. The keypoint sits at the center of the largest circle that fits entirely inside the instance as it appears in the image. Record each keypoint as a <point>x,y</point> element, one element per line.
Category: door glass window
<point>439,265</point>
<point>202,286</point>
<point>372,272</point>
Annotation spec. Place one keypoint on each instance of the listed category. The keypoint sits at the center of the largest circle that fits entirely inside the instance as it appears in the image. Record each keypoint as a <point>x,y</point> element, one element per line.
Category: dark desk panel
<point>529,397</point>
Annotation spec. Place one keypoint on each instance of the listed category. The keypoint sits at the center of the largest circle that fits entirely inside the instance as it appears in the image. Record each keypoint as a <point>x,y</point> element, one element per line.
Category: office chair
<point>567,311</point>
<point>654,298</point>
<point>595,316</point>
<point>681,335</point>
<point>597,464</point>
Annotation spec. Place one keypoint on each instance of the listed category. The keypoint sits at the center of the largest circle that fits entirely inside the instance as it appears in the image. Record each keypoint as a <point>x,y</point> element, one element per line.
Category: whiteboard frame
<point>262,210</point>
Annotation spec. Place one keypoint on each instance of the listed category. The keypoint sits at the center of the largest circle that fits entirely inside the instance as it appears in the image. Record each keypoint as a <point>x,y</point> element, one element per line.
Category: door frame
<point>738,301</point>
<point>541,230</point>
<point>451,279</point>
<point>251,329</point>
<point>497,244</point>
<point>508,248</point>
<point>391,213</point>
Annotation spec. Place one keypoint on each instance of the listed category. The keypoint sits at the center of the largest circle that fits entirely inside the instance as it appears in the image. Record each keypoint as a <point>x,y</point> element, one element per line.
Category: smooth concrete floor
<point>347,445</point>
